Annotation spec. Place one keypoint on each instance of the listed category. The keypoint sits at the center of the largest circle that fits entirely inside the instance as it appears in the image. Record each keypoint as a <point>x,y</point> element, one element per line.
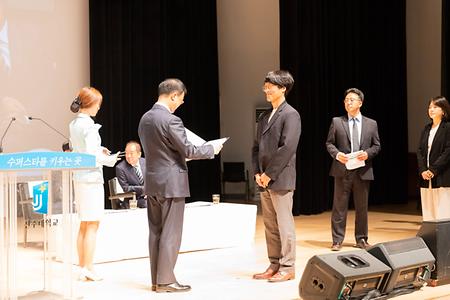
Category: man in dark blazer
<point>274,161</point>
<point>350,133</point>
<point>166,149</point>
<point>130,174</point>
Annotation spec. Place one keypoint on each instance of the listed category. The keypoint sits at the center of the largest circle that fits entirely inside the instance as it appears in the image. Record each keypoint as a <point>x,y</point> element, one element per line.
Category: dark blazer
<point>274,150</point>
<point>338,140</point>
<point>166,148</point>
<point>128,179</point>
<point>439,156</point>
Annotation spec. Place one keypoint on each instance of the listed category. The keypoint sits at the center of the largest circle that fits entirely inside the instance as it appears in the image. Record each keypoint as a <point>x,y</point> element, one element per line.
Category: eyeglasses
<point>269,88</point>
<point>351,100</point>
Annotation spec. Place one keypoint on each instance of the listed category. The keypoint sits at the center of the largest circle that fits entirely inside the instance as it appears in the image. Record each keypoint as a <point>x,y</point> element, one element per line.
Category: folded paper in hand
<point>353,161</point>
<point>198,141</point>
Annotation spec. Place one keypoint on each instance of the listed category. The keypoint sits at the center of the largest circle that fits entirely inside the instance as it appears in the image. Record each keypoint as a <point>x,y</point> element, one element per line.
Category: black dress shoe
<point>172,288</point>
<point>362,244</point>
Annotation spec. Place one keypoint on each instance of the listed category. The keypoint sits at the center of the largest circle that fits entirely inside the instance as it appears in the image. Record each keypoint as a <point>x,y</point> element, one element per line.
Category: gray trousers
<point>165,221</point>
<point>343,187</point>
<point>279,229</point>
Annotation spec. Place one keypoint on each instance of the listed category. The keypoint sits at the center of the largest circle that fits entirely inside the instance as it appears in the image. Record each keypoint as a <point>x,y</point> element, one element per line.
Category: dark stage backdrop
<point>445,85</point>
<point>333,45</point>
<point>134,45</point>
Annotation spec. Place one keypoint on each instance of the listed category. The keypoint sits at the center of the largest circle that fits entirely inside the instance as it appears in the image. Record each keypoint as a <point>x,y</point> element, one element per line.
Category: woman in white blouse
<point>433,158</point>
<point>88,185</point>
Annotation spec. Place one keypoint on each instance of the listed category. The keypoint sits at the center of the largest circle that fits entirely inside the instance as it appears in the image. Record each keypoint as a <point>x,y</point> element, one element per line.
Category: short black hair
<point>171,85</point>
<point>355,91</point>
<point>280,78</point>
<point>441,102</point>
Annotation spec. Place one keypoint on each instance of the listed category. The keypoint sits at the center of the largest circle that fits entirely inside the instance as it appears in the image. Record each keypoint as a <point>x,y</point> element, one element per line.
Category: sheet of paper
<point>217,142</point>
<point>353,162</point>
<point>193,138</point>
<point>198,141</point>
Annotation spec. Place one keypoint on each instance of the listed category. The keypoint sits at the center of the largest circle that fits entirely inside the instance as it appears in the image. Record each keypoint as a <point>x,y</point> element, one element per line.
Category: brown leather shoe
<point>153,287</point>
<point>336,247</point>
<point>265,275</point>
<point>282,276</point>
<point>172,288</point>
<point>362,244</point>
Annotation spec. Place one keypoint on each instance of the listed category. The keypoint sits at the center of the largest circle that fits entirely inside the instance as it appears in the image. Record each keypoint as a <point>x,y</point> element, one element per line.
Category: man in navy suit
<point>130,173</point>
<point>166,149</point>
<point>274,161</point>
<point>351,132</point>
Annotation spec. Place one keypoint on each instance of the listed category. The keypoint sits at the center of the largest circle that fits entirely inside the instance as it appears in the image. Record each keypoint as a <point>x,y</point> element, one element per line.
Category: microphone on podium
<point>66,145</point>
<point>49,126</point>
<point>4,134</point>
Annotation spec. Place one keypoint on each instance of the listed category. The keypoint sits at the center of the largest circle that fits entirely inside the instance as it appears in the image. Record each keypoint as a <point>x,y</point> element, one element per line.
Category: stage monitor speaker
<point>436,235</point>
<point>342,275</point>
<point>410,260</point>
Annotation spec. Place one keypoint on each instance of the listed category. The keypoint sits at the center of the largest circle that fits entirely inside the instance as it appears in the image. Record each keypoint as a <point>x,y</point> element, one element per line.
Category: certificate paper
<point>353,162</point>
<point>198,141</point>
<point>193,138</point>
<point>217,142</point>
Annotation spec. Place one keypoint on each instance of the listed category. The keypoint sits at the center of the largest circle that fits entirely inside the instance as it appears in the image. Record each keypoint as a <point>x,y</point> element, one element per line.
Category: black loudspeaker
<point>436,235</point>
<point>410,260</point>
<point>342,275</point>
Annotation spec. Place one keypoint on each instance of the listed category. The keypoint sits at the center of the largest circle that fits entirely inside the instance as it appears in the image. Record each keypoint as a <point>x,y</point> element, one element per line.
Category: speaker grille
<point>396,247</point>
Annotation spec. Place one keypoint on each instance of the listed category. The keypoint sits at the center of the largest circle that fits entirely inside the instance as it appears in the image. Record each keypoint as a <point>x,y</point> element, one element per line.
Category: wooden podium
<point>27,265</point>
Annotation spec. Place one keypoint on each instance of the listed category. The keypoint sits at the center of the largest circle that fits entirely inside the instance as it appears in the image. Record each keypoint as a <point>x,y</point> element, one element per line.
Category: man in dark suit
<point>166,149</point>
<point>130,174</point>
<point>274,161</point>
<point>351,133</point>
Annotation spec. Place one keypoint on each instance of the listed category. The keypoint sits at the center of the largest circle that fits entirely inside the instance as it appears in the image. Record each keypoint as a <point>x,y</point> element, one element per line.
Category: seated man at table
<point>130,174</point>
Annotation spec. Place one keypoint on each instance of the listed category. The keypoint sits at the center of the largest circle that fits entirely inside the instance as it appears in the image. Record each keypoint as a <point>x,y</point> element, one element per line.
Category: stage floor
<point>226,273</point>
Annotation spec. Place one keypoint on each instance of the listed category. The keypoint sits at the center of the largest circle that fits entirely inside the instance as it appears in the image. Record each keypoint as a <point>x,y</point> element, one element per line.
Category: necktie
<point>138,171</point>
<point>355,136</point>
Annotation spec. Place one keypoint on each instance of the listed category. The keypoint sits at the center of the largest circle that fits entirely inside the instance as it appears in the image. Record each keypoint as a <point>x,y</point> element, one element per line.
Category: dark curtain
<point>330,46</point>
<point>134,45</point>
<point>445,85</point>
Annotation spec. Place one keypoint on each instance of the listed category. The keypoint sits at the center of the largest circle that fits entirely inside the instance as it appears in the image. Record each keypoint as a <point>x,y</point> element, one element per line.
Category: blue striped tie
<point>138,171</point>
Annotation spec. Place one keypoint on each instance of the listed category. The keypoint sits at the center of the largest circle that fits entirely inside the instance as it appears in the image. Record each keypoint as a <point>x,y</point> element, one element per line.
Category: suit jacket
<point>166,148</point>
<point>85,138</point>
<point>338,140</point>
<point>126,175</point>
<point>275,147</point>
<point>439,156</point>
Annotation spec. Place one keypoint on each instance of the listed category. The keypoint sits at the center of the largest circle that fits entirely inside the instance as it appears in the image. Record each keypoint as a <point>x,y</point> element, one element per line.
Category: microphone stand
<point>4,134</point>
<point>56,130</point>
<point>66,145</point>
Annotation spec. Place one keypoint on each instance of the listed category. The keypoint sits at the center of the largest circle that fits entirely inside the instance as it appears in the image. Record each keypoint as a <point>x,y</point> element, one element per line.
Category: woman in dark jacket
<point>433,157</point>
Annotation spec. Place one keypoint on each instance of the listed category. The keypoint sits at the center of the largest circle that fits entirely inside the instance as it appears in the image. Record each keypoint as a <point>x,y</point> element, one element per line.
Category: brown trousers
<point>279,229</point>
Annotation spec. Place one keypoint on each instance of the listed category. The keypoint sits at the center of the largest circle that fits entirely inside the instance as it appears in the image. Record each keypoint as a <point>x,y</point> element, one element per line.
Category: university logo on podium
<point>40,198</point>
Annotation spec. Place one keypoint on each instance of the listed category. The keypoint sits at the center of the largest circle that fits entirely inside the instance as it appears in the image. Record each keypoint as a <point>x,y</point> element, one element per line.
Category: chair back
<point>114,187</point>
<point>117,195</point>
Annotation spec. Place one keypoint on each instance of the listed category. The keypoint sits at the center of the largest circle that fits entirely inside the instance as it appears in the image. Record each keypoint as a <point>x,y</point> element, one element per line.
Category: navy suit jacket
<point>166,149</point>
<point>338,140</point>
<point>275,148</point>
<point>128,179</point>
